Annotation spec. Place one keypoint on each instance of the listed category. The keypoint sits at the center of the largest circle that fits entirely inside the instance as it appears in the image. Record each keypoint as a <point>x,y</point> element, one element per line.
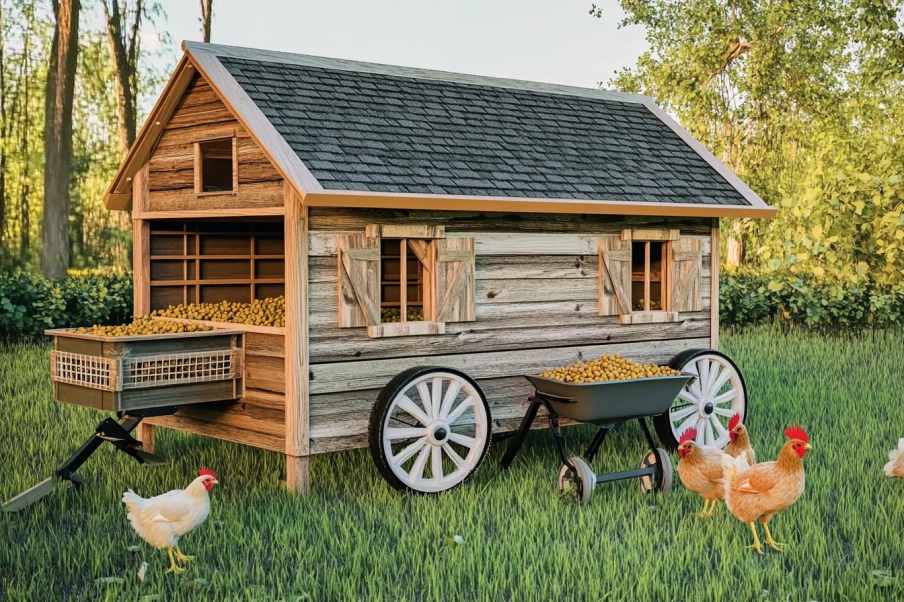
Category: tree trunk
<point>734,248</point>
<point>124,49</point>
<point>58,138</point>
<point>206,16</point>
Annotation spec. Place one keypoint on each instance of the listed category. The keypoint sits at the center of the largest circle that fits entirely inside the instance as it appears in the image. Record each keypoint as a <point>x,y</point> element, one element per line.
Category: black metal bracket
<point>119,434</point>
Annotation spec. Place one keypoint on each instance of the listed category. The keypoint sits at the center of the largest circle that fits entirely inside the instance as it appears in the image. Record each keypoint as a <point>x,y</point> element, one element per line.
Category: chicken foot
<point>173,568</point>
<point>712,507</point>
<point>182,557</point>
<point>778,547</point>
<point>756,539</point>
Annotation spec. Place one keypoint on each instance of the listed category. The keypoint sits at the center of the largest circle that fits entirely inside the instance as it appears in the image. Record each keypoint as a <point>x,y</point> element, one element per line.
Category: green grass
<point>355,539</point>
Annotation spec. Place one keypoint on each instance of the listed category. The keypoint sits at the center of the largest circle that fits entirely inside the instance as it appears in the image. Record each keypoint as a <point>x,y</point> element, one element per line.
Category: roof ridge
<point>273,56</point>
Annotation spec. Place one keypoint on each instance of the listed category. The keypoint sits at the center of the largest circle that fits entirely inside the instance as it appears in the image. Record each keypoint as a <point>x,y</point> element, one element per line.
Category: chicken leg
<point>705,511</point>
<point>756,539</point>
<point>173,568</point>
<point>712,507</point>
<point>778,547</point>
<point>182,557</point>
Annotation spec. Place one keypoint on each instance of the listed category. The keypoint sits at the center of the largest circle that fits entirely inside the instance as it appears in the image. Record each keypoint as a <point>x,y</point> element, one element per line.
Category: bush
<point>748,297</point>
<point>29,305</point>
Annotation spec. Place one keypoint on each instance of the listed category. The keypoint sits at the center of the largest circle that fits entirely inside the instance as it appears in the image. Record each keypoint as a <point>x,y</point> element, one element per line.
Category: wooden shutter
<point>686,274</point>
<point>615,276</point>
<point>454,280</point>
<point>359,280</point>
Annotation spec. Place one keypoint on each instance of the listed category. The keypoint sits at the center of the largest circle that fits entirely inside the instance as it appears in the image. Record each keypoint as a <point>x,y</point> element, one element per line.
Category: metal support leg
<point>559,438</point>
<point>597,442</point>
<point>652,444</point>
<point>518,439</point>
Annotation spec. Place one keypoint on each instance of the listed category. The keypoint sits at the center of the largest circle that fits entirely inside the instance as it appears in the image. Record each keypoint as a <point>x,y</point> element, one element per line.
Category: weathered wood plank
<point>295,366</point>
<point>267,373</point>
<point>221,431</point>
<point>324,218</point>
<point>329,378</point>
<point>265,399</point>
<point>323,243</point>
<point>268,421</point>
<point>261,194</point>
<point>272,345</point>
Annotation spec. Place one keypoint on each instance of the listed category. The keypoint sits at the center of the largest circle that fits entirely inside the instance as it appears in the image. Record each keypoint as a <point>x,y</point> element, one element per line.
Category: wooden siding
<point>536,307</point>
<point>201,115</point>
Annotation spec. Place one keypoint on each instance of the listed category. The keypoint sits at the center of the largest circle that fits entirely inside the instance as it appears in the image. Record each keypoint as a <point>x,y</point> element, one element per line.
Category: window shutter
<point>359,280</point>
<point>454,278</point>
<point>615,276</point>
<point>687,274</point>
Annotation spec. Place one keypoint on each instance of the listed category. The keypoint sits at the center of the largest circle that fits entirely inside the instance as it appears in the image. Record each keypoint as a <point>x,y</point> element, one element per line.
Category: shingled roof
<point>347,133</point>
<point>397,132</point>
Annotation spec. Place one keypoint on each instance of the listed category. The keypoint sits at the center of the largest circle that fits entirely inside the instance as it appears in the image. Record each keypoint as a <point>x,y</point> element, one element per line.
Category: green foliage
<point>29,305</point>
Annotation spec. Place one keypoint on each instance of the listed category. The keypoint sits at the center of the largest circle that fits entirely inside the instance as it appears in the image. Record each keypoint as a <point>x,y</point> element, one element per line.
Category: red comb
<point>206,472</point>
<point>796,432</point>
<point>687,435</point>
<point>734,421</point>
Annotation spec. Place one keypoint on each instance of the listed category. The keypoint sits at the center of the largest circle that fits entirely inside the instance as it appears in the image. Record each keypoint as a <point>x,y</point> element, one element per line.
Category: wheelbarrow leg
<point>597,441</point>
<point>117,433</point>
<point>518,439</point>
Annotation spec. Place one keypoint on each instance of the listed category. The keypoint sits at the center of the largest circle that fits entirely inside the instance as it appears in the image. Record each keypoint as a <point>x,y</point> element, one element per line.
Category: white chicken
<point>895,465</point>
<point>163,519</point>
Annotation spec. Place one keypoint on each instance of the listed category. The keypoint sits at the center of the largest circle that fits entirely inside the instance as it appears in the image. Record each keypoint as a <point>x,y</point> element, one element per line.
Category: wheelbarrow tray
<point>611,401</point>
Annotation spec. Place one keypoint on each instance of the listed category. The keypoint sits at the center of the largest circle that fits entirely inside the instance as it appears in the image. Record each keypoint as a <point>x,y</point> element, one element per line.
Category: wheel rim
<point>647,482</point>
<point>708,401</point>
<point>435,431</point>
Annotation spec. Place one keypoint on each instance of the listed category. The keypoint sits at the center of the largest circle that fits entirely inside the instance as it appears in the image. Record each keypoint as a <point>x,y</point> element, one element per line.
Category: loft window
<point>401,282</point>
<point>215,166</point>
<point>649,276</point>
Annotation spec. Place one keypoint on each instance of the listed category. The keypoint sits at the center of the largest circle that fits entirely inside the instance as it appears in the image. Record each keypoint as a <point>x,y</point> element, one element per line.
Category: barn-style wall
<point>536,307</point>
<point>200,115</point>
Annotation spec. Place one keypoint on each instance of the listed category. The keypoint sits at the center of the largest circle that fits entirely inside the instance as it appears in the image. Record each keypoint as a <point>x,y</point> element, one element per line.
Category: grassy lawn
<point>355,539</point>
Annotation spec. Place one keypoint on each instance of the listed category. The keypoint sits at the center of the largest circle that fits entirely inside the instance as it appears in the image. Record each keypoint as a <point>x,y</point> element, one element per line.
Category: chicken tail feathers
<point>893,457</point>
<point>732,467</point>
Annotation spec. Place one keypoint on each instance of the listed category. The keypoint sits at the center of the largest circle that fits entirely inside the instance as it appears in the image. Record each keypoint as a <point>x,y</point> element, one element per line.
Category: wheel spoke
<point>417,470</point>
<point>437,468</point>
<point>725,412</point>
<point>687,411</point>
<point>718,425</point>
<point>724,375</point>
<point>701,437</point>
<point>468,442</point>
<point>405,403</point>
<point>728,396</point>
<point>409,451</point>
<point>404,433</point>
<point>689,423</point>
<point>459,461</point>
<point>424,391</point>
<point>449,399</point>
<point>688,397</point>
<point>703,368</point>
<point>436,396</point>
<point>710,436</point>
<point>459,410</point>
<point>694,384</point>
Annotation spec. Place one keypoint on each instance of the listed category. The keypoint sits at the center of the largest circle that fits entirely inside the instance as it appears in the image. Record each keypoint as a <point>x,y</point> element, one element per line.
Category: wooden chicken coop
<point>436,236</point>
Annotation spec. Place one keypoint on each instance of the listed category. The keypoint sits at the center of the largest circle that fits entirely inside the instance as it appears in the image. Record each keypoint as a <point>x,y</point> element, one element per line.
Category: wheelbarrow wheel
<point>661,482</point>
<point>707,402</point>
<point>429,429</point>
<point>581,479</point>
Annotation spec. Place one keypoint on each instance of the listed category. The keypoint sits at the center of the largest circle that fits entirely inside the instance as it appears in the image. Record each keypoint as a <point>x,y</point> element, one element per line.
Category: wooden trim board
<point>714,287</point>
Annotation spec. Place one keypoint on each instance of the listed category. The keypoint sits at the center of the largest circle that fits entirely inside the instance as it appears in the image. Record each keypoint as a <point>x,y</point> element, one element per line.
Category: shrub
<point>29,305</point>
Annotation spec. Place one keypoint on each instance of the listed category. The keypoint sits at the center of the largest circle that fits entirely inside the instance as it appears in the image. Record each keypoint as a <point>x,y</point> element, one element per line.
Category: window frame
<point>199,170</point>
<point>426,283</point>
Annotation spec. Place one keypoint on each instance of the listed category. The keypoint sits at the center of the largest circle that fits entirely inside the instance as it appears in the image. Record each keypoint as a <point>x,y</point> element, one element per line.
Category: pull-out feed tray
<point>119,374</point>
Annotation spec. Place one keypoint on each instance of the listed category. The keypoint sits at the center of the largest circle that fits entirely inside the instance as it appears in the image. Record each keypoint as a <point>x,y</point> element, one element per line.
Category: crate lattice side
<point>178,368</point>
<point>93,372</point>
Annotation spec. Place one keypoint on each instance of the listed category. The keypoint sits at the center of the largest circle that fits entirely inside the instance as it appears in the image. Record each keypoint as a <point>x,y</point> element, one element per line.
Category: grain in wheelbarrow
<point>607,368</point>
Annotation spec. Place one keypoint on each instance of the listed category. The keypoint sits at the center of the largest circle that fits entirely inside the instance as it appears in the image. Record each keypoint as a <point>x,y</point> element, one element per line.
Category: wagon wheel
<point>429,429</point>
<point>581,478</point>
<point>706,402</point>
<point>661,482</point>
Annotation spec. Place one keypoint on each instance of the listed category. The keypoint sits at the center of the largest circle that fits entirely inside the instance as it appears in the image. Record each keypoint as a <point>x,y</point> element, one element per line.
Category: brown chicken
<point>895,465</point>
<point>740,440</point>
<point>701,471</point>
<point>760,492</point>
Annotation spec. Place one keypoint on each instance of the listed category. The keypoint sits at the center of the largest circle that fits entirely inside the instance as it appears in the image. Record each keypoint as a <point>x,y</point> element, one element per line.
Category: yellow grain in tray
<point>607,368</point>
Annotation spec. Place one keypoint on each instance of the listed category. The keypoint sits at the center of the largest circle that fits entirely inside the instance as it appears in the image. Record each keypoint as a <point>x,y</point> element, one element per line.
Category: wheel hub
<point>438,433</point>
<point>707,406</point>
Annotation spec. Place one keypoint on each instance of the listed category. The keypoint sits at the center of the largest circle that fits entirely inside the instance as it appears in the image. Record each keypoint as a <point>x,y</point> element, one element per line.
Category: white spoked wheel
<point>429,430</point>
<point>708,401</point>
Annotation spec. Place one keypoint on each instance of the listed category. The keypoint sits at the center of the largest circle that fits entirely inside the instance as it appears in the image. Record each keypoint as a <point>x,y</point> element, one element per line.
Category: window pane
<point>637,275</point>
<point>656,276</point>
<point>390,285</point>
<point>216,165</point>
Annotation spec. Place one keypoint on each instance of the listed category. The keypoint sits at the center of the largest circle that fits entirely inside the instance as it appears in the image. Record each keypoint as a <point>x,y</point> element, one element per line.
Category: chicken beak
<point>807,446</point>
<point>215,482</point>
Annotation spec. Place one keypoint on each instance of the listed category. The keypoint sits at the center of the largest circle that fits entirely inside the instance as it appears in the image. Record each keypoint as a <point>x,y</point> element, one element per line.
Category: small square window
<point>649,276</point>
<point>215,161</point>
<point>401,282</point>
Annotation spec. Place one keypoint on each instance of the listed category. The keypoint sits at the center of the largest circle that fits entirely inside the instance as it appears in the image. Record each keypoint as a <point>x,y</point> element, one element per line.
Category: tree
<point>206,16</point>
<point>59,92</point>
<point>124,42</point>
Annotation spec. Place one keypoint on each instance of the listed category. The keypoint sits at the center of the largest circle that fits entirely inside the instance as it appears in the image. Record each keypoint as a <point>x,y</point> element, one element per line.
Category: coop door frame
<point>448,283</point>
<point>681,270</point>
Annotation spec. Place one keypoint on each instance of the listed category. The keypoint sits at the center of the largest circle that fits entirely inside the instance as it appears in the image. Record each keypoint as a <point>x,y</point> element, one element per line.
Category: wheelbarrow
<point>608,405</point>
